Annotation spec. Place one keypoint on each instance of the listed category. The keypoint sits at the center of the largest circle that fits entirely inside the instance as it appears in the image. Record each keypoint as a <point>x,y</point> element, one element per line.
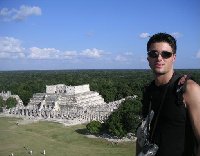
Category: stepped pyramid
<point>60,96</point>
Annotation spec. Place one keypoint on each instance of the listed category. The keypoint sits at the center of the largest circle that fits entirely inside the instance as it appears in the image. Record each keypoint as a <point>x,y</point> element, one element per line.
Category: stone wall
<point>70,90</point>
<point>82,114</point>
<point>72,103</point>
<point>6,95</point>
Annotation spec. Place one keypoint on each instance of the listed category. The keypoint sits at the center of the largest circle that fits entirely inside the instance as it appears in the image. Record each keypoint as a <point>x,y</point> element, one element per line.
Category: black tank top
<point>171,134</point>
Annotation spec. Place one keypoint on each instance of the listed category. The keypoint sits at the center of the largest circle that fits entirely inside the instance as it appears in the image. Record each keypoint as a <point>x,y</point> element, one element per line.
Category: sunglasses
<point>155,54</point>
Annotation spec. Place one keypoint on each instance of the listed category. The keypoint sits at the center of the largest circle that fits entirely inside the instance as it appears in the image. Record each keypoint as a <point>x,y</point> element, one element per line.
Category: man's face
<point>161,65</point>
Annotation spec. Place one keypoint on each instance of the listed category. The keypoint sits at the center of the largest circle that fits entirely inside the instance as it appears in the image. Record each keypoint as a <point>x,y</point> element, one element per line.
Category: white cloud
<point>5,12</point>
<point>144,35</point>
<point>120,58</point>
<point>45,53</point>
<point>69,54</point>
<point>52,53</point>
<point>198,54</point>
<point>92,53</point>
<point>4,55</point>
<point>147,35</point>
<point>176,34</point>
<point>125,57</point>
<point>11,48</point>
<point>22,13</point>
<point>128,54</point>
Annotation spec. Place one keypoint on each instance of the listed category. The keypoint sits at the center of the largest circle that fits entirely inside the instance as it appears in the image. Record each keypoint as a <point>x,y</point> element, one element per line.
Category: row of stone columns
<point>69,113</point>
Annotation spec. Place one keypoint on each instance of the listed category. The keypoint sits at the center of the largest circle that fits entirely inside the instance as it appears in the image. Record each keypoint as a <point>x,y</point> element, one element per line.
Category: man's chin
<point>159,72</point>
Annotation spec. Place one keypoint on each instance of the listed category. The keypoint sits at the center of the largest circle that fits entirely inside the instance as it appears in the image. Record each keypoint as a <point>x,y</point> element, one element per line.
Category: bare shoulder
<point>192,101</point>
<point>192,86</point>
<point>192,94</point>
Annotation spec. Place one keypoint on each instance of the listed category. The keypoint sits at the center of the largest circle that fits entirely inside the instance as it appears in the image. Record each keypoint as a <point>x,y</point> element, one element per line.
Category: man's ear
<point>174,57</point>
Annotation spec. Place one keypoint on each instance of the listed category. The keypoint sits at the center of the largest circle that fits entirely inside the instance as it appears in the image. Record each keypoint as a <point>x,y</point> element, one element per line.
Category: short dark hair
<point>163,37</point>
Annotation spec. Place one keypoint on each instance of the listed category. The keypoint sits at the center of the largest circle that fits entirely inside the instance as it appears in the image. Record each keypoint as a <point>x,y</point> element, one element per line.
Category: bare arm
<point>192,100</point>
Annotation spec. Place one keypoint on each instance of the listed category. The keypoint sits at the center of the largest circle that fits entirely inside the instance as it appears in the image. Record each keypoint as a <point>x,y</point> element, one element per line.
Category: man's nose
<point>160,57</point>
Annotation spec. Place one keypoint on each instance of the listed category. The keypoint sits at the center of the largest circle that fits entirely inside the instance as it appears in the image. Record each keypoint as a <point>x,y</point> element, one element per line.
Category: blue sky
<point>94,34</point>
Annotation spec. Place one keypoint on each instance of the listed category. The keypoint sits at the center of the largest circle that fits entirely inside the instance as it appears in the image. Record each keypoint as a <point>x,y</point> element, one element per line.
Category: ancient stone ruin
<point>72,103</point>
<point>6,95</point>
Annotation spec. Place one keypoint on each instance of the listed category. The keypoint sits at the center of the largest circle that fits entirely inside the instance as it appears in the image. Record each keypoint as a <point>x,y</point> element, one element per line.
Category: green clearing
<point>56,139</point>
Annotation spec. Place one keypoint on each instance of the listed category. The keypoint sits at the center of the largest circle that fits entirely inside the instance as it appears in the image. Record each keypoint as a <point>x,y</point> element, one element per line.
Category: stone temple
<point>58,97</point>
<point>6,95</point>
<point>67,103</point>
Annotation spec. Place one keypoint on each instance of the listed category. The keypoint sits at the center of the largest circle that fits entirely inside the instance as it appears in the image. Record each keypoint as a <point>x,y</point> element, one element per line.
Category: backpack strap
<point>181,88</point>
<point>148,89</point>
<point>161,104</point>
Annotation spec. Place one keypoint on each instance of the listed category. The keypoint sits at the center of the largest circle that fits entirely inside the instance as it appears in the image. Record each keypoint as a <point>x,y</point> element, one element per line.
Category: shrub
<point>125,119</point>
<point>2,104</point>
<point>11,102</point>
<point>94,127</point>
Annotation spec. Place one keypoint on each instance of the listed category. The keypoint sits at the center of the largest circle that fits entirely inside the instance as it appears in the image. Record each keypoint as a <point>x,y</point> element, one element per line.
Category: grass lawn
<point>56,139</point>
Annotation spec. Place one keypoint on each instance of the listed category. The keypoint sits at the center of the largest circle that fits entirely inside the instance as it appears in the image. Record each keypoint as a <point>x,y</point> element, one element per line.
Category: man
<point>177,129</point>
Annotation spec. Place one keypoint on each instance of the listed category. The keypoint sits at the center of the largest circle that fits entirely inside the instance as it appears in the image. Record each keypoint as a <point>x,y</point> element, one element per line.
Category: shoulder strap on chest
<point>181,87</point>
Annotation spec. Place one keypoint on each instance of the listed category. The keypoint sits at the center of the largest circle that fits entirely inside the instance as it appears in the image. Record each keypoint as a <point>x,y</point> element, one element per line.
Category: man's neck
<point>161,79</point>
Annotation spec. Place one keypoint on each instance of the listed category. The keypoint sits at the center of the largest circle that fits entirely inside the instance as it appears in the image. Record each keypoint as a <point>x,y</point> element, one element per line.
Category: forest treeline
<point>111,84</point>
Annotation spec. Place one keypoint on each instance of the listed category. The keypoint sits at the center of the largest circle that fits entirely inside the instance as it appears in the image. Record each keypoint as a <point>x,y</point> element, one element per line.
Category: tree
<point>11,102</point>
<point>2,103</point>
<point>94,127</point>
<point>125,119</point>
<point>114,125</point>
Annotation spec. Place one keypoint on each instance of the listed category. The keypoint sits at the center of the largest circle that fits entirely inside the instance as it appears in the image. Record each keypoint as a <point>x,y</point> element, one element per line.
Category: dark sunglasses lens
<point>166,54</point>
<point>153,54</point>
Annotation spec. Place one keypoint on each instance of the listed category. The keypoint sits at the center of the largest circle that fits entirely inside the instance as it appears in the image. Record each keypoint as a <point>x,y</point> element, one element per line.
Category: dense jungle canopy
<point>111,84</point>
